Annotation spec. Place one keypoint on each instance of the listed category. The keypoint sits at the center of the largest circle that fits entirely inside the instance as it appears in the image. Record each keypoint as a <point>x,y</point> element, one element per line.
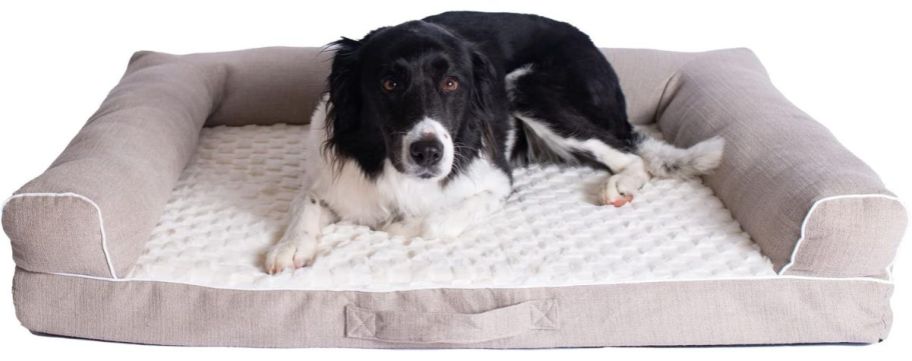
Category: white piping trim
<point>104,240</point>
<point>725,279</point>
<point>807,217</point>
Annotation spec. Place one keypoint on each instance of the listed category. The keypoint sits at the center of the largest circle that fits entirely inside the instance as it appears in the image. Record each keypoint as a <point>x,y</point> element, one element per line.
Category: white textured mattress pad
<point>230,205</point>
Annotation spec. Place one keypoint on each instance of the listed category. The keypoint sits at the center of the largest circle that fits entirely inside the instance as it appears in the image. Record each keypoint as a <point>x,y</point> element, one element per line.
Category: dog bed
<point>151,226</point>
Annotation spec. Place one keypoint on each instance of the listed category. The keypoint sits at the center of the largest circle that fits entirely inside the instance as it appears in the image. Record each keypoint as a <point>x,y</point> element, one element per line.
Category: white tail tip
<point>664,160</point>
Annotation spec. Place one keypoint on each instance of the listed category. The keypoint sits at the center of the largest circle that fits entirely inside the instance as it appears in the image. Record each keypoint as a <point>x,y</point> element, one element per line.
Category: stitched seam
<point>752,278</point>
<point>537,316</point>
<point>104,243</point>
<point>542,319</point>
<point>361,328</point>
<point>659,108</point>
<point>885,310</point>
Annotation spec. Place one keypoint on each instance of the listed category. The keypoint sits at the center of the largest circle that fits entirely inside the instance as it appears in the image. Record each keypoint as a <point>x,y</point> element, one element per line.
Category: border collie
<point>423,122</point>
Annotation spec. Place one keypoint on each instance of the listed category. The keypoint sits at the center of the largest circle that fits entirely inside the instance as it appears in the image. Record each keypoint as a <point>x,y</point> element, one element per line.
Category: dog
<point>423,122</point>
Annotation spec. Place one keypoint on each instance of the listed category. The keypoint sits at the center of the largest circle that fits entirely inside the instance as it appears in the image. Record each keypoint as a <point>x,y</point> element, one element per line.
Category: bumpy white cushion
<point>231,202</point>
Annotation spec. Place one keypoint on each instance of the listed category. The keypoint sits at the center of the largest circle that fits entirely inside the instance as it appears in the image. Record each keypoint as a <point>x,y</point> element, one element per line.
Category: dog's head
<point>411,94</point>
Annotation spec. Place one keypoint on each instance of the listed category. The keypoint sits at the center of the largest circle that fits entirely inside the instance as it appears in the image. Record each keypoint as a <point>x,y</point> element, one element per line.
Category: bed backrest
<point>283,84</point>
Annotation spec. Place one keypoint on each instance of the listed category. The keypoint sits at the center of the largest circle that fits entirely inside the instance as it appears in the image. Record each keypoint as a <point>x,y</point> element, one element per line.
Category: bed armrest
<point>92,211</point>
<point>812,206</point>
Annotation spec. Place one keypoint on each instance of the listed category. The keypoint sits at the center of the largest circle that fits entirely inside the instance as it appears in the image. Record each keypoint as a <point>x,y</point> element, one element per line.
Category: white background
<point>847,64</point>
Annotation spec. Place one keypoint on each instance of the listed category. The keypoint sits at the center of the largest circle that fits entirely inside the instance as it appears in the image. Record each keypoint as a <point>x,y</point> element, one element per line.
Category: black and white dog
<point>424,120</point>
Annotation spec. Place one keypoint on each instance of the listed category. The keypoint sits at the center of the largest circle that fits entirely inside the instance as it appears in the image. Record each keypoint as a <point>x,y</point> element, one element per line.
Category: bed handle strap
<point>451,327</point>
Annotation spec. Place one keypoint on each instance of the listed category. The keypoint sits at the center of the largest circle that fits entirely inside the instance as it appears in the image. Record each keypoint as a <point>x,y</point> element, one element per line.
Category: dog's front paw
<point>295,254</point>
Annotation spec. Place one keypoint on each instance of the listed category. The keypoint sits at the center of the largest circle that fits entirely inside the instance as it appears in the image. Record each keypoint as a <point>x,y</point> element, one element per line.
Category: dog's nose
<point>426,152</point>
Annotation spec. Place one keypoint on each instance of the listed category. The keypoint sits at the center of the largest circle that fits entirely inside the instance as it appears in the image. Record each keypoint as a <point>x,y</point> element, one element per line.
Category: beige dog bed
<point>152,224</point>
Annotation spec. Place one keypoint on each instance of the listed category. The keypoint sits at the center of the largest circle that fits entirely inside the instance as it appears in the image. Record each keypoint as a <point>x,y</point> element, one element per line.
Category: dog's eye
<point>390,85</point>
<point>449,84</point>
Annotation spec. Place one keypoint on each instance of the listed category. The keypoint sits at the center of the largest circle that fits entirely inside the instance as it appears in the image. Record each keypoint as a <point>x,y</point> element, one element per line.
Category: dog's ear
<point>344,91</point>
<point>487,102</point>
<point>348,134</point>
<point>484,77</point>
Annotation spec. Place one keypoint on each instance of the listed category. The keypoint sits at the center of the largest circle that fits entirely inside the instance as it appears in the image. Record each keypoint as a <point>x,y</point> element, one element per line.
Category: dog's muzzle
<point>426,153</point>
<point>427,150</point>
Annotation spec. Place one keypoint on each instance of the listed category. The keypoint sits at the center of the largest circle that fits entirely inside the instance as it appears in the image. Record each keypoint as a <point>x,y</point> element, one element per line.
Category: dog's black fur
<point>452,102</point>
<point>573,88</point>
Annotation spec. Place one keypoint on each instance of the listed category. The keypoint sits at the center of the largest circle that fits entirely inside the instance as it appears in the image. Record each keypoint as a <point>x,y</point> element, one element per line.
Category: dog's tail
<point>664,160</point>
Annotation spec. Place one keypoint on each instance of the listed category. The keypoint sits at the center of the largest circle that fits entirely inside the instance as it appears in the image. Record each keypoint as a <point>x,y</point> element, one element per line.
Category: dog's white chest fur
<point>392,196</point>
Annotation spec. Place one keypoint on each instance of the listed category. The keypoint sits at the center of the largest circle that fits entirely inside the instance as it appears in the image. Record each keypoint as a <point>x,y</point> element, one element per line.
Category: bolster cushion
<point>92,211</point>
<point>784,176</point>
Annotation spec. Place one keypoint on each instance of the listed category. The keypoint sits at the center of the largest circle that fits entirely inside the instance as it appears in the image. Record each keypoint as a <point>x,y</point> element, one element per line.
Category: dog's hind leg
<point>627,168</point>
<point>565,117</point>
